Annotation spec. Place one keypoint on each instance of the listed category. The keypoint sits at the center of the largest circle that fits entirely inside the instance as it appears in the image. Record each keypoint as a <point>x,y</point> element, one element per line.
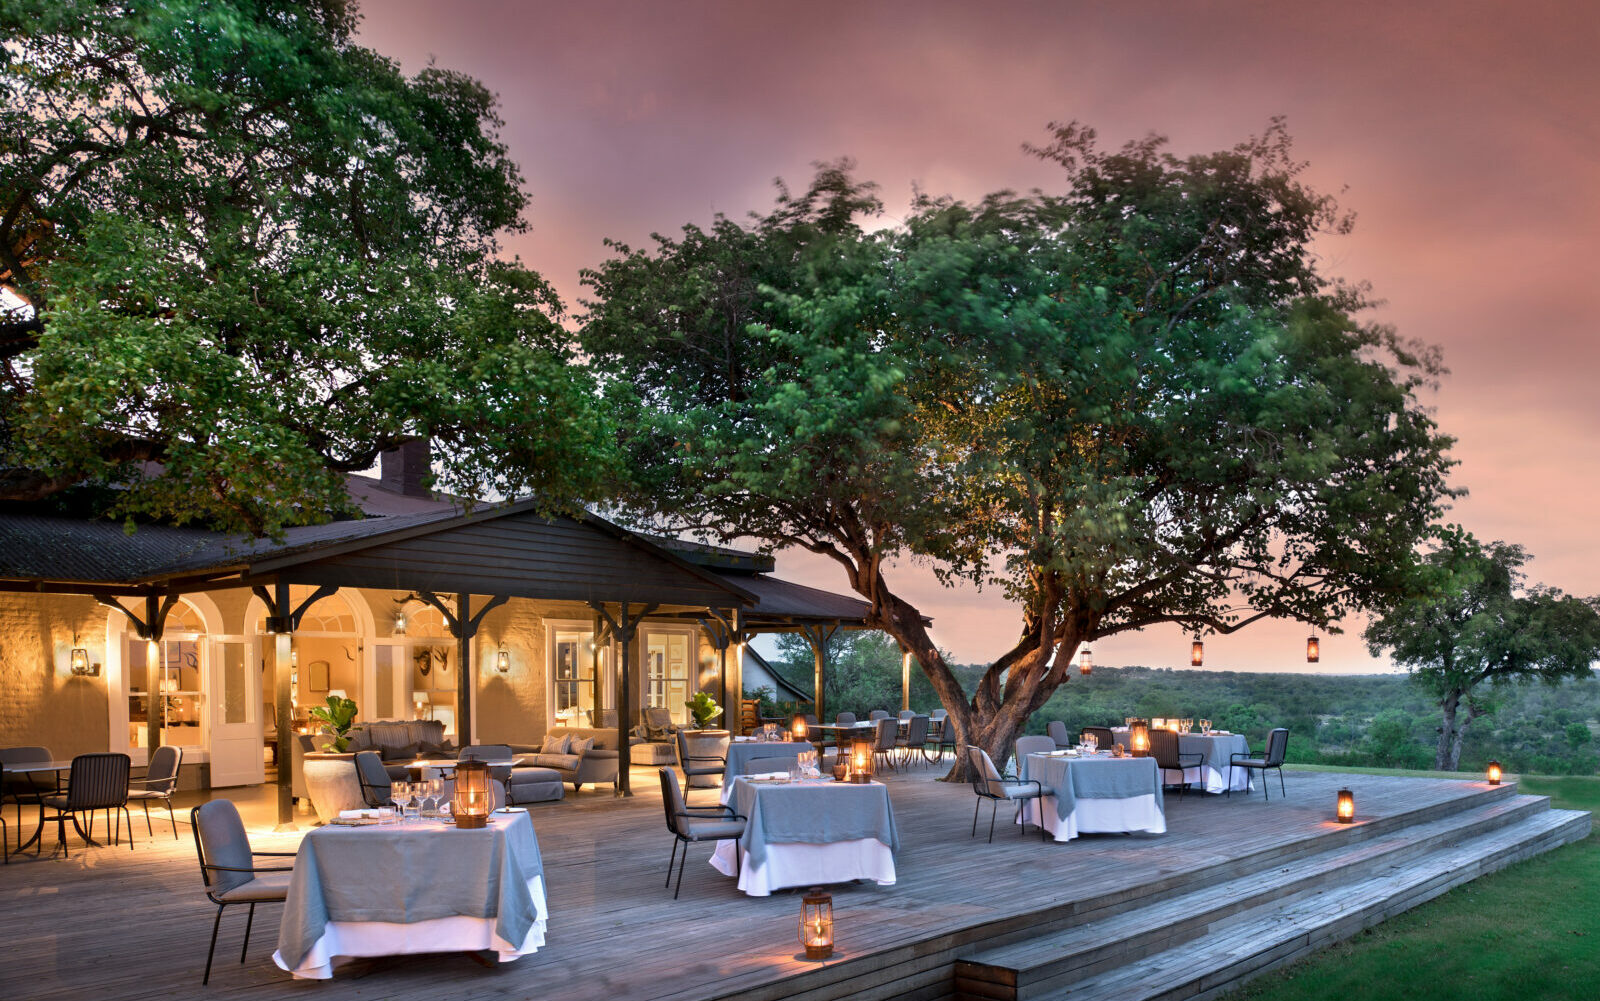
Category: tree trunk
<point>1449,747</point>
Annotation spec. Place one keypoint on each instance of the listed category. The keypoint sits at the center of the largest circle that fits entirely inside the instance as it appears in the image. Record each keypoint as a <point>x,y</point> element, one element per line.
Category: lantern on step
<point>1085,662</point>
<point>472,799</point>
<point>1494,773</point>
<point>816,924</point>
<point>1139,738</point>
<point>798,728</point>
<point>1197,653</point>
<point>1313,649</point>
<point>861,761</point>
<point>1346,813</point>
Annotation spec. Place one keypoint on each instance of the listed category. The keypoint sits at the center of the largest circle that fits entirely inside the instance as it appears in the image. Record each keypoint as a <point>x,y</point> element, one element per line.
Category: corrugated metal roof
<point>783,599</point>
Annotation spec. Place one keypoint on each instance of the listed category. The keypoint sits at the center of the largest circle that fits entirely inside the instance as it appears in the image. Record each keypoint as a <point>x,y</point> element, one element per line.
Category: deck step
<point>1170,943</point>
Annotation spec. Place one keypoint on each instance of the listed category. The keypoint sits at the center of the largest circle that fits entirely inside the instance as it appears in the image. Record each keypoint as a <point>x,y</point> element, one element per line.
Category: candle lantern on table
<point>472,797</point>
<point>861,761</point>
<point>1139,738</point>
<point>816,924</point>
<point>798,728</point>
<point>1347,807</point>
<point>1494,773</point>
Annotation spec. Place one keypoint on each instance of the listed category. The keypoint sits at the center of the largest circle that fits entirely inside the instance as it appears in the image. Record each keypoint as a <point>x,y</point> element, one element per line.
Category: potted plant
<point>704,709</point>
<point>330,774</point>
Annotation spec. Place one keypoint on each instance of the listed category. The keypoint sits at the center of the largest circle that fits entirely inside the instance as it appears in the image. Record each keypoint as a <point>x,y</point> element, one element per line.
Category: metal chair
<point>1103,736</point>
<point>877,714</point>
<point>1164,748</point>
<point>97,781</point>
<point>1272,757</point>
<point>916,739</point>
<point>989,784</point>
<point>707,823</point>
<point>1058,733</point>
<point>906,714</point>
<point>845,719</point>
<point>1025,746</point>
<point>160,782</point>
<point>32,786</point>
<point>941,736</point>
<point>227,866</point>
<point>374,778</point>
<point>887,731</point>
<point>702,764</point>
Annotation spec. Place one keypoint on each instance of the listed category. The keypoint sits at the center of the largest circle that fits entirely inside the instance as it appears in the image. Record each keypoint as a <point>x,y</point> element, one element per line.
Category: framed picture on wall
<point>319,675</point>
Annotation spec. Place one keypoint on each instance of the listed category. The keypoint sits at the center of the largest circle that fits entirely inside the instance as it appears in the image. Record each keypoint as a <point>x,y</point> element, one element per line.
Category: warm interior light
<point>816,924</point>
<point>1085,661</point>
<point>1197,653</point>
<point>1494,773</point>
<point>502,661</point>
<point>1313,649</point>
<point>1347,807</point>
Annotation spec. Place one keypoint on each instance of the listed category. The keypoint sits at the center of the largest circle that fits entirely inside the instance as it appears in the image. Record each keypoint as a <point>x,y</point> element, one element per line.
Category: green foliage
<point>703,708</point>
<point>1484,626</point>
<point>247,250</point>
<point>336,719</point>
<point>1129,403</point>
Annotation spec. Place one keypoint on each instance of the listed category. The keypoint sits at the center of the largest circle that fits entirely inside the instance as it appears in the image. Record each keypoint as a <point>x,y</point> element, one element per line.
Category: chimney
<point>404,468</point>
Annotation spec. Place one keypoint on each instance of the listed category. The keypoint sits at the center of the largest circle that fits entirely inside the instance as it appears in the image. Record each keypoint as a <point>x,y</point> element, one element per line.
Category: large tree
<point>1484,626</point>
<point>1129,403</point>
<point>241,255</point>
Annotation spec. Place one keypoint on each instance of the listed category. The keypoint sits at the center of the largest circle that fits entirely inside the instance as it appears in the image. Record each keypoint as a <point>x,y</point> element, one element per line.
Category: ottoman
<point>529,784</point>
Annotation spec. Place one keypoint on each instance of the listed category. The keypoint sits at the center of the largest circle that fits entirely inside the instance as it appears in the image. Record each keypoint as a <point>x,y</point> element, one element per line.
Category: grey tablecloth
<point>1214,750</point>
<point>1098,777</point>
<point>412,872</point>
<point>741,753</point>
<point>813,813</point>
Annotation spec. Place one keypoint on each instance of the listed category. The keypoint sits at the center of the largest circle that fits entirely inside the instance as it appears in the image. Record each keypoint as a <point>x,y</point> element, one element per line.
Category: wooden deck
<point>112,923</point>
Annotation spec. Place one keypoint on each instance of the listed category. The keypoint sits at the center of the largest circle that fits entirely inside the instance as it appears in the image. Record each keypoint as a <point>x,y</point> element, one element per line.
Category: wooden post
<point>818,636</point>
<point>154,625</point>
<point>283,636</point>
<point>465,731</point>
<point>623,628</point>
<point>905,679</point>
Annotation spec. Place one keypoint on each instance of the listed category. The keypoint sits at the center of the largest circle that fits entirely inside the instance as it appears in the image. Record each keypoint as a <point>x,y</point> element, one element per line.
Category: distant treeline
<point>1355,720</point>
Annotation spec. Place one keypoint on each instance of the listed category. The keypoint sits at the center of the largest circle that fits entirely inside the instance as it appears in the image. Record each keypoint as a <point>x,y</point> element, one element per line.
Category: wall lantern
<point>816,924</point>
<point>1313,649</point>
<point>471,801</point>
<point>81,667</point>
<point>861,761</point>
<point>1347,807</point>
<point>798,728</point>
<point>1139,738</point>
<point>1197,653</point>
<point>1494,773</point>
<point>400,622</point>
<point>1085,661</point>
<point>502,661</point>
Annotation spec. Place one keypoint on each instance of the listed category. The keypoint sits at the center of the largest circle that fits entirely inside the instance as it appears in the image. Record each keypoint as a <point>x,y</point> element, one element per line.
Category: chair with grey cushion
<point>916,739</point>
<point>941,735</point>
<point>906,714</point>
<point>26,788</point>
<point>227,865</point>
<point>1103,736</point>
<point>877,714</point>
<point>886,730</point>
<point>702,755</point>
<point>159,783</point>
<point>97,781</point>
<point>845,719</point>
<point>374,778</point>
<point>1058,733</point>
<point>1164,748</point>
<point>1035,744</point>
<point>688,825</point>
<point>1277,748</point>
<point>990,785</point>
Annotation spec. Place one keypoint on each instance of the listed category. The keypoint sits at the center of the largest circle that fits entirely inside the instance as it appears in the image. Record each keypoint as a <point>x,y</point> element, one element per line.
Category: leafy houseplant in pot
<point>699,742</point>
<point>330,774</point>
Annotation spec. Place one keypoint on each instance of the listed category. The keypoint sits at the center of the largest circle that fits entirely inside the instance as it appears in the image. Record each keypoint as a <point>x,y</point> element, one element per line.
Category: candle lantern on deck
<point>1494,773</point>
<point>1347,807</point>
<point>1139,738</point>
<point>816,924</point>
<point>472,798</point>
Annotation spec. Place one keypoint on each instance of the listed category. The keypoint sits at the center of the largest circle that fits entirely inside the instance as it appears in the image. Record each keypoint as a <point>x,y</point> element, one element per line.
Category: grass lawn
<point>1528,932</point>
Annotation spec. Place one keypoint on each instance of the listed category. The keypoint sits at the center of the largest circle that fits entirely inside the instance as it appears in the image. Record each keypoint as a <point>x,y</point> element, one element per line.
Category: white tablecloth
<point>1214,748</point>
<point>787,863</point>
<point>1141,812</point>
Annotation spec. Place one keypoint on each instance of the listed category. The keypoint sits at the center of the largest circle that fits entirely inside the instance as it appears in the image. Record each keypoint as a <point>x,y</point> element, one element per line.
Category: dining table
<point>365,889</point>
<point>31,768</point>
<point>1215,749</point>
<point>807,832</point>
<point>1095,793</point>
<point>741,754</point>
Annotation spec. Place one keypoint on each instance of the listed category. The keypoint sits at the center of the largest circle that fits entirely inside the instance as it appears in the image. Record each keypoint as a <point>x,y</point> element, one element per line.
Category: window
<point>578,692</point>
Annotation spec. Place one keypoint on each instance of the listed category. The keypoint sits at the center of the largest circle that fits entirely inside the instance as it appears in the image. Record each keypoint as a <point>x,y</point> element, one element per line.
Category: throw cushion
<point>428,749</point>
<point>565,762</point>
<point>556,744</point>
<point>579,746</point>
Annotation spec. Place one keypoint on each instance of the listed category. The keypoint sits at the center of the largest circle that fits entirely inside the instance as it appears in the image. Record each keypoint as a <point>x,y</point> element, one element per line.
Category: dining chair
<point>160,782</point>
<point>1058,734</point>
<point>228,869</point>
<point>886,732</point>
<point>916,739</point>
<point>1277,748</point>
<point>845,719</point>
<point>941,736</point>
<point>990,785</point>
<point>877,714</point>
<point>374,778</point>
<point>1164,748</point>
<point>906,714</point>
<point>705,823</point>
<point>702,763</point>
<point>1036,744</point>
<point>1102,735</point>
<point>97,781</point>
<point>26,787</point>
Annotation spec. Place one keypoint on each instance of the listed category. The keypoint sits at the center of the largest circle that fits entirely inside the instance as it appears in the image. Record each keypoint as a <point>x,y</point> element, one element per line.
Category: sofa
<point>597,764</point>
<point>399,741</point>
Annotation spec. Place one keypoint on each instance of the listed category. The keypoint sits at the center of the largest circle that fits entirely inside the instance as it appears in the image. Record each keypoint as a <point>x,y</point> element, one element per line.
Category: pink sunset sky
<point>1462,133</point>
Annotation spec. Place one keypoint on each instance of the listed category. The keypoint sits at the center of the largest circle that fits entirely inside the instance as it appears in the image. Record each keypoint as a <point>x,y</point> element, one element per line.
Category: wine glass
<point>398,791</point>
<point>436,793</point>
<point>1205,727</point>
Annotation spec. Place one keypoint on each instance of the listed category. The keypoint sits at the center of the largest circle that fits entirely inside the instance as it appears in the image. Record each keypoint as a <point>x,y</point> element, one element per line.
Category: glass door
<point>236,728</point>
<point>666,671</point>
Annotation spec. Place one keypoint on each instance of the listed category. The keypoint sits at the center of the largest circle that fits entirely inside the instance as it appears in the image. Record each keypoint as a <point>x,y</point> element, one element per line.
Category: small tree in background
<point>1485,627</point>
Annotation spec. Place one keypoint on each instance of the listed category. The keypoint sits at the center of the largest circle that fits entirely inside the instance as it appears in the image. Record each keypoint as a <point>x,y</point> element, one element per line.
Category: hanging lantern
<point>1347,807</point>
<point>798,728</point>
<point>816,924</point>
<point>861,761</point>
<point>1313,649</point>
<point>1197,653</point>
<point>1494,773</point>
<point>1085,662</point>
<point>1139,738</point>
<point>472,798</point>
